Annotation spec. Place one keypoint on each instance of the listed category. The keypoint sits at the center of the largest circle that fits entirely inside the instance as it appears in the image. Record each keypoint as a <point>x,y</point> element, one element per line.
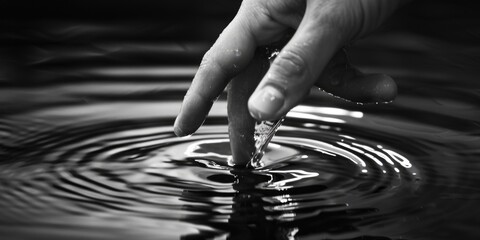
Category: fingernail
<point>265,103</point>
<point>177,129</point>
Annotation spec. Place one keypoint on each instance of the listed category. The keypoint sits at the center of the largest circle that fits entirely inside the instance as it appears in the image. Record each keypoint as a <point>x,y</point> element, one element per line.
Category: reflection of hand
<point>322,28</point>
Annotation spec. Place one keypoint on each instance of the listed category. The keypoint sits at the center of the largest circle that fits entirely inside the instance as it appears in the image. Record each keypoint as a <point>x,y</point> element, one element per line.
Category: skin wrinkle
<point>290,64</point>
<point>294,60</point>
<point>262,17</point>
<point>278,83</point>
<point>373,15</point>
<point>257,15</point>
<point>284,7</point>
<point>205,60</point>
<point>322,28</point>
<point>275,19</point>
<point>327,16</point>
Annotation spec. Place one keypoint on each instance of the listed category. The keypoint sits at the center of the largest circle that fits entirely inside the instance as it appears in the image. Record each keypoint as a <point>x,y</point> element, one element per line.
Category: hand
<point>321,29</point>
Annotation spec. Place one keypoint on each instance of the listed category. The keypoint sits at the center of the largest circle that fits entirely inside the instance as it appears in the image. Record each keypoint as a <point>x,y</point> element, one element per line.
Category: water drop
<point>264,132</point>
<point>237,52</point>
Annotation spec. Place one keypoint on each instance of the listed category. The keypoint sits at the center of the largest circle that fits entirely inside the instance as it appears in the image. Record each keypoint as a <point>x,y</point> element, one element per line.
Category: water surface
<point>87,149</point>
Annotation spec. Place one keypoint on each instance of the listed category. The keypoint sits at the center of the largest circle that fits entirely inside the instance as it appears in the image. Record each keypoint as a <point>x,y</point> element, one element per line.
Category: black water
<point>87,149</point>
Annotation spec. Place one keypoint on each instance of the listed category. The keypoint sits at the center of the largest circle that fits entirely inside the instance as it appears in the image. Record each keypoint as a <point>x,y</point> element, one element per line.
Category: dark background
<point>42,41</point>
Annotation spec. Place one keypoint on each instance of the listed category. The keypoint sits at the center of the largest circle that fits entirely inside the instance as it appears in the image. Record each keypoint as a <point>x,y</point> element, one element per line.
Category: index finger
<point>231,53</point>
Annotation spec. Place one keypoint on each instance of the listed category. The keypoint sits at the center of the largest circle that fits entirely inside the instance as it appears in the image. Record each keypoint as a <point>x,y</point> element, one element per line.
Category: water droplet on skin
<point>204,62</point>
<point>303,44</point>
<point>237,52</point>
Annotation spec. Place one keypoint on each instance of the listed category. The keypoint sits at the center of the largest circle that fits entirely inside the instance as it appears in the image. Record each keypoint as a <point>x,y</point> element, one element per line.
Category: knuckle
<point>290,63</point>
<point>255,8</point>
<point>205,61</point>
<point>211,62</point>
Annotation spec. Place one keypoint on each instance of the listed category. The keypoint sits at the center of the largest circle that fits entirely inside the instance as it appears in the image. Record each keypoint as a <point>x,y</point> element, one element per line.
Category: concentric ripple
<point>317,179</point>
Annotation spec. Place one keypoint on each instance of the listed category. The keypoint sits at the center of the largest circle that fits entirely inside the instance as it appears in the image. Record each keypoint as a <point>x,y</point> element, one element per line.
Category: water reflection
<point>140,174</point>
<point>87,149</point>
<point>290,189</point>
<point>96,166</point>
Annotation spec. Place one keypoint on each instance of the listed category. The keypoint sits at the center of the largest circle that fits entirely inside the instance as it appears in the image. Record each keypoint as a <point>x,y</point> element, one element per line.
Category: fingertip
<point>385,89</point>
<point>180,126</point>
<point>266,103</point>
<point>178,130</point>
<point>192,115</point>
